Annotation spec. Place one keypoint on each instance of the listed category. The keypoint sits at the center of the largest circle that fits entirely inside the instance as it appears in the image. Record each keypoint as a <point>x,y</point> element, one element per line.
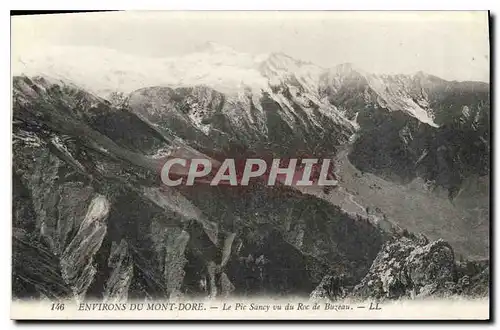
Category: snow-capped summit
<point>102,70</point>
<point>214,47</point>
<point>392,92</point>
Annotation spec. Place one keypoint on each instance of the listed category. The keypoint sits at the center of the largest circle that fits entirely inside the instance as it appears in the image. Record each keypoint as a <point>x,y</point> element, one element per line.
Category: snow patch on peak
<point>103,71</point>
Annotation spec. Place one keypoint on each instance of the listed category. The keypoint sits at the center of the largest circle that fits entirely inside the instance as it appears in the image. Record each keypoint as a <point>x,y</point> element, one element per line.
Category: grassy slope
<point>463,222</point>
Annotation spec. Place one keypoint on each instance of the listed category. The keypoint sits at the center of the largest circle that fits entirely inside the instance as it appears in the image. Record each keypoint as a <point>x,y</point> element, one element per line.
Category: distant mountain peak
<point>345,66</point>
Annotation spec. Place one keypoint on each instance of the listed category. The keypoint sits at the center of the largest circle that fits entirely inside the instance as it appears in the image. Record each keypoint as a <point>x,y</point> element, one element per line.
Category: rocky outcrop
<point>473,278</point>
<point>409,268</point>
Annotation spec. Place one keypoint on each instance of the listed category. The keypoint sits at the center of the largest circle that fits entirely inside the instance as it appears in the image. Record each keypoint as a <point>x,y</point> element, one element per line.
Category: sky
<point>451,45</point>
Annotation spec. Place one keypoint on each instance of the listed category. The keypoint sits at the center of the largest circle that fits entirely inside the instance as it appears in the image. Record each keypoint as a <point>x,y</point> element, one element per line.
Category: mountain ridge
<point>88,202</point>
<point>224,69</point>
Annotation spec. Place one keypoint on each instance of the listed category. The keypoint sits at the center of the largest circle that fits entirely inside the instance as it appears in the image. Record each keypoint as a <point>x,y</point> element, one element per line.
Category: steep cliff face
<point>282,119</point>
<point>68,181</point>
<point>411,267</point>
<point>429,99</point>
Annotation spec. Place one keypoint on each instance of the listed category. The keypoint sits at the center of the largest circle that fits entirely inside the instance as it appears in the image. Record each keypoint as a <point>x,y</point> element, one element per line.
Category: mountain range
<point>91,218</point>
